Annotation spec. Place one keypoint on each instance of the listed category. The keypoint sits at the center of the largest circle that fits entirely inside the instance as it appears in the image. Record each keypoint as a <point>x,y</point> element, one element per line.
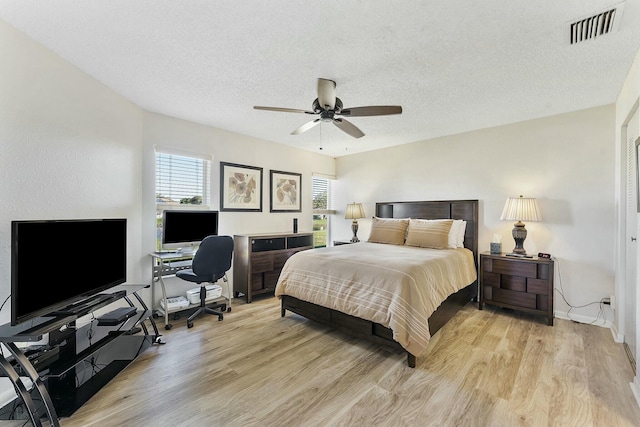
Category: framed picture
<point>240,188</point>
<point>285,189</point>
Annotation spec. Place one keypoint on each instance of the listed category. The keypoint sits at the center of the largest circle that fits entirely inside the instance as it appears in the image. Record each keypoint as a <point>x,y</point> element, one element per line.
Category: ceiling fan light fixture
<point>327,106</point>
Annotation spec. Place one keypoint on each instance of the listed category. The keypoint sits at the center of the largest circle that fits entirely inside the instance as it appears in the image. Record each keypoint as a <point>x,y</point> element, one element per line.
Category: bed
<point>319,285</point>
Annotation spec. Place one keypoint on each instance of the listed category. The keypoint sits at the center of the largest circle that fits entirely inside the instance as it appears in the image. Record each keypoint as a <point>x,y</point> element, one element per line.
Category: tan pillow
<point>387,230</point>
<point>429,233</point>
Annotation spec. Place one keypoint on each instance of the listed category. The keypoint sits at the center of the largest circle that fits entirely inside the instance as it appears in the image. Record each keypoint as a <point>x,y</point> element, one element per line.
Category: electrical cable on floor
<point>601,312</point>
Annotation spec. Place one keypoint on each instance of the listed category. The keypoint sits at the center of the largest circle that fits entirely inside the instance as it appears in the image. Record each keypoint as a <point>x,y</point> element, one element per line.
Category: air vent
<point>595,26</point>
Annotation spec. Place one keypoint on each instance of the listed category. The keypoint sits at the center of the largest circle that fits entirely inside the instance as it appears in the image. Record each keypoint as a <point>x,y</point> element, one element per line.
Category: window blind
<point>321,191</point>
<point>182,180</point>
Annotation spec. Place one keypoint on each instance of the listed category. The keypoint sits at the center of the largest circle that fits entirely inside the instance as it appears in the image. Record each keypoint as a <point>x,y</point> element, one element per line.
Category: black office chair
<point>210,264</point>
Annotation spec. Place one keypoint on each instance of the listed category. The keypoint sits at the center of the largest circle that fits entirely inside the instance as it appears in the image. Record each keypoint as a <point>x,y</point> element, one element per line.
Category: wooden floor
<point>484,368</point>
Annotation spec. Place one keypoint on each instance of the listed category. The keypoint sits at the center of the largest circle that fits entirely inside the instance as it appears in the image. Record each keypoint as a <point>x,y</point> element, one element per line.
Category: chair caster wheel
<point>189,324</point>
<point>228,309</point>
<point>220,318</point>
<point>168,326</point>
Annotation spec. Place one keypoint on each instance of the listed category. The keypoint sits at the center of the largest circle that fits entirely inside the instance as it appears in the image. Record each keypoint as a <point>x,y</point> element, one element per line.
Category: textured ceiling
<point>453,65</point>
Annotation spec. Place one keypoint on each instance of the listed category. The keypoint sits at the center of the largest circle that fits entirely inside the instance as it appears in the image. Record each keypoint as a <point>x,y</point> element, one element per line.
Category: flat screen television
<point>185,229</point>
<point>55,263</point>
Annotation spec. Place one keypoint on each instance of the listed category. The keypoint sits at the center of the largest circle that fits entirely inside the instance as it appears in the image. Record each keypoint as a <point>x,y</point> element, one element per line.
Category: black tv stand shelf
<point>85,357</point>
<point>92,304</point>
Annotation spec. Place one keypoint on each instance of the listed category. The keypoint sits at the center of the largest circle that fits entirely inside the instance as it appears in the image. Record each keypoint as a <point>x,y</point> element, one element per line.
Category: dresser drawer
<point>520,299</point>
<point>513,283</point>
<point>538,286</point>
<point>523,269</point>
<point>273,244</point>
<point>261,262</point>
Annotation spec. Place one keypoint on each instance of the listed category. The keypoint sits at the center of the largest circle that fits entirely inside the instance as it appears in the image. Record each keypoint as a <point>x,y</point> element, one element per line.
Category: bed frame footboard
<point>375,332</point>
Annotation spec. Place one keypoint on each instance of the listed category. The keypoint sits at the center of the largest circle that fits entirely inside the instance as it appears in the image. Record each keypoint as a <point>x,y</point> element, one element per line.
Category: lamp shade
<point>354,211</point>
<point>521,209</point>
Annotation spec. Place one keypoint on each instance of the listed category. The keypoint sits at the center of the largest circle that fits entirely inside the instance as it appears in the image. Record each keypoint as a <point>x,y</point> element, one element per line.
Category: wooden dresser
<point>524,284</point>
<point>259,258</point>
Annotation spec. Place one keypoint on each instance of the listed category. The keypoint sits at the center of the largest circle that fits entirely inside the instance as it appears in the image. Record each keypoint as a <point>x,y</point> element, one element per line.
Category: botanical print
<point>285,191</point>
<point>240,187</point>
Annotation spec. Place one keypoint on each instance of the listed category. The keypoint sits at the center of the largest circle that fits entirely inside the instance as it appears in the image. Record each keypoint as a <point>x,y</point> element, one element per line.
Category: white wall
<point>626,105</point>
<point>168,132</point>
<point>69,148</point>
<point>565,161</point>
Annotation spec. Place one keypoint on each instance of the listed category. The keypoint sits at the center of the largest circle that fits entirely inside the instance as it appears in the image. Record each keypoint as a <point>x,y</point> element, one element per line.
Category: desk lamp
<point>354,211</point>
<point>520,209</point>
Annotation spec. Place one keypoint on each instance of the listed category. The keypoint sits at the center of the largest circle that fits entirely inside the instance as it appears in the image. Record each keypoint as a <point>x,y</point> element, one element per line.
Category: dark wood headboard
<point>439,209</point>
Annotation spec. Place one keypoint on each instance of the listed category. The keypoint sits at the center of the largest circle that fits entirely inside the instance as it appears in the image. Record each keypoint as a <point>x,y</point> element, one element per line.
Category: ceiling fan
<point>328,106</point>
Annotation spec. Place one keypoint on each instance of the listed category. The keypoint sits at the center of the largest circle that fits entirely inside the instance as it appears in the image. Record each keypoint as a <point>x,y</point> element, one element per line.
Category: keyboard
<point>180,264</point>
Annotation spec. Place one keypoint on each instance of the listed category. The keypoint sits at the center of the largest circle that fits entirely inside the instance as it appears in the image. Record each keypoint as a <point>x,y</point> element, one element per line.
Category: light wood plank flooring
<point>484,368</point>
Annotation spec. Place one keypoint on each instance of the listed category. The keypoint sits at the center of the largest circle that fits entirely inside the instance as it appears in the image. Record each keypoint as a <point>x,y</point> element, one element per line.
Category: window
<point>182,182</point>
<point>322,205</point>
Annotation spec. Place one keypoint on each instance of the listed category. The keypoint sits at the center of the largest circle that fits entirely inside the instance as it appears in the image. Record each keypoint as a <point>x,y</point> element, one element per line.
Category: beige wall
<point>565,161</point>
<point>72,148</point>
<point>171,133</point>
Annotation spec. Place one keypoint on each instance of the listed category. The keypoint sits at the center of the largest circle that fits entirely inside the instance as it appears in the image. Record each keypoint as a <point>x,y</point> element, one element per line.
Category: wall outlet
<point>612,299</point>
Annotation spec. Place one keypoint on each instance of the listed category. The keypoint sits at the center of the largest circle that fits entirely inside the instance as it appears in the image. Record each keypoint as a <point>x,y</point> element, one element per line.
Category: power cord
<point>4,302</point>
<point>90,331</point>
<point>1,307</point>
<point>602,302</point>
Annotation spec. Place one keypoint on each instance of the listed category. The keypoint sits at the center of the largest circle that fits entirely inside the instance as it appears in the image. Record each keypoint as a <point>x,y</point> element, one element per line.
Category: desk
<point>168,263</point>
<point>164,268</point>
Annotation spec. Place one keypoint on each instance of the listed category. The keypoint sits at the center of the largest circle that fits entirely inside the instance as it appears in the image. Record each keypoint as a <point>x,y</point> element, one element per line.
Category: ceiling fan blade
<point>373,110</point>
<point>283,110</point>
<point>305,127</point>
<point>327,94</point>
<point>348,127</point>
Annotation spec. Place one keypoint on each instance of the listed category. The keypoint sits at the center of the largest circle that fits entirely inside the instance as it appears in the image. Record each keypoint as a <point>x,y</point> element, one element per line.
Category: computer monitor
<point>182,229</point>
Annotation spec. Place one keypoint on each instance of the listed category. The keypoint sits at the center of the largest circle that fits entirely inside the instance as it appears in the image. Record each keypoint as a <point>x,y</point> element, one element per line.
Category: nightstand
<point>523,284</point>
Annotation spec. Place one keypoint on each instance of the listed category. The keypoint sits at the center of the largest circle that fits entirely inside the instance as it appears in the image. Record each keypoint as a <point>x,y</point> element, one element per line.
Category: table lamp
<point>520,209</point>
<point>354,211</point>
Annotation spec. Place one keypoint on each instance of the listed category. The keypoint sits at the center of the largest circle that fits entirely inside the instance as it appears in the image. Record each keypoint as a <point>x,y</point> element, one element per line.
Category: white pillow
<point>453,234</point>
<point>460,230</point>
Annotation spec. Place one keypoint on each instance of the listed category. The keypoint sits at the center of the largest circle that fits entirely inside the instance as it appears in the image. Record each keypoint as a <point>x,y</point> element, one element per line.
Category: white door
<point>631,281</point>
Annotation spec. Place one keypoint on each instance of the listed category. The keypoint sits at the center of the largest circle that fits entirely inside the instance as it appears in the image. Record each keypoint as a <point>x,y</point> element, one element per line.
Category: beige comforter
<point>396,286</point>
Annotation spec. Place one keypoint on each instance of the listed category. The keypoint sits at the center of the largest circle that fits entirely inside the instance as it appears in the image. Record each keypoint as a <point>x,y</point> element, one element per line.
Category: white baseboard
<point>635,388</point>
<point>584,319</point>
<point>617,336</point>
